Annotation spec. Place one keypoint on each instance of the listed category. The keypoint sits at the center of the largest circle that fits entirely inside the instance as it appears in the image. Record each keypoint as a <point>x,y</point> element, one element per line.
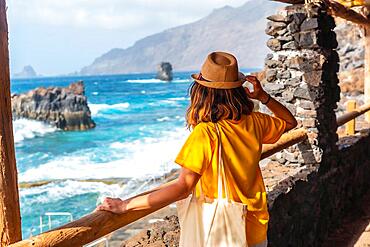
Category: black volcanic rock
<point>65,108</point>
<point>164,72</point>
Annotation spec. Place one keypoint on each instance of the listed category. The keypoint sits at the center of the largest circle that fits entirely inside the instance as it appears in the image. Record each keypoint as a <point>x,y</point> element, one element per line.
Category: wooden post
<point>10,219</point>
<point>367,70</point>
<point>351,125</point>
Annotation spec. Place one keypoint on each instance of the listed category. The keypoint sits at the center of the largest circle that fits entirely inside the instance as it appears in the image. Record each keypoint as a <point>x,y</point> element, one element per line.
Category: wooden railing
<point>99,224</point>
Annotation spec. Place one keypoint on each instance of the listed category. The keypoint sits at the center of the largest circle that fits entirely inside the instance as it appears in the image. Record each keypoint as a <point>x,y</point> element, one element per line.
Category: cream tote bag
<point>206,222</point>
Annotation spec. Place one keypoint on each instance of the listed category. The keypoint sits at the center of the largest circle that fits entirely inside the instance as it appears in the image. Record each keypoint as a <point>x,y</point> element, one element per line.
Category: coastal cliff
<point>65,108</point>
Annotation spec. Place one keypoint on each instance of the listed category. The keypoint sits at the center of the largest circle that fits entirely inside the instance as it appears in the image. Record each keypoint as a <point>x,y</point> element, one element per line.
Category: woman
<point>217,95</point>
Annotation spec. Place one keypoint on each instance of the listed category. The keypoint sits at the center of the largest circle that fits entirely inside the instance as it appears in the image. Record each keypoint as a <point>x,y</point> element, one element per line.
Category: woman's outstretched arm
<point>278,109</point>
<point>156,199</point>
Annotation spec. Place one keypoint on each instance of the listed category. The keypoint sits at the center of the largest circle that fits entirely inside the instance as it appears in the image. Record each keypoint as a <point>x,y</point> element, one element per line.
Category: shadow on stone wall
<point>310,209</point>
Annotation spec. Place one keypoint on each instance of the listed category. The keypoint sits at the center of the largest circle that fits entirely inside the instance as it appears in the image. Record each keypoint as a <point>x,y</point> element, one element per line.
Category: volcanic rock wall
<point>301,72</point>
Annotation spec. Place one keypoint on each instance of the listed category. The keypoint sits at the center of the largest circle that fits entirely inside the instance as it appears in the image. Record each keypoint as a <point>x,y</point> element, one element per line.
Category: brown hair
<point>211,104</point>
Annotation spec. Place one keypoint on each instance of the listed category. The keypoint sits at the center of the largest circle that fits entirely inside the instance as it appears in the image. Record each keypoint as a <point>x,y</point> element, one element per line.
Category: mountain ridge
<point>239,30</point>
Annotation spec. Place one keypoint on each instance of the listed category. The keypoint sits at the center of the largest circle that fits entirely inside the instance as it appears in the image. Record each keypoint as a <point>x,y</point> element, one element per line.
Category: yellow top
<point>241,151</point>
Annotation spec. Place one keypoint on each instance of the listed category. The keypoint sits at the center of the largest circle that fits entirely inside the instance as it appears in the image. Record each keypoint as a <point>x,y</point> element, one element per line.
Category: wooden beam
<point>367,70</point>
<point>346,117</point>
<point>286,140</point>
<point>10,219</point>
<point>348,14</point>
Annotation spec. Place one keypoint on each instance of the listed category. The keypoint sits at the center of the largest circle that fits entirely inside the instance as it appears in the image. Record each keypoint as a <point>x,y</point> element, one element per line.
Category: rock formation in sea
<point>27,72</point>
<point>164,71</point>
<point>66,108</point>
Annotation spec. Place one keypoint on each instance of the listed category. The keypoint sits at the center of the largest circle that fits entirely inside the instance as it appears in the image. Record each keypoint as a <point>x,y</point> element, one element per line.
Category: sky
<point>61,36</point>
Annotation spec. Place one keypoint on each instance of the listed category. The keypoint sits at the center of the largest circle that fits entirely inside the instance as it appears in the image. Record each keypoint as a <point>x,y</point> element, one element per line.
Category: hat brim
<point>220,84</point>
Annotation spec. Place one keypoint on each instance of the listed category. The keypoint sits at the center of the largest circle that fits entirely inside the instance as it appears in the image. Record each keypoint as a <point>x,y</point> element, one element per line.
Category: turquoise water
<point>140,128</point>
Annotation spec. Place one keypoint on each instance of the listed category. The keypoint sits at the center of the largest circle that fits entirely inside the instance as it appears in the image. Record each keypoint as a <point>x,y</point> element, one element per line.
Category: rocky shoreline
<point>66,108</point>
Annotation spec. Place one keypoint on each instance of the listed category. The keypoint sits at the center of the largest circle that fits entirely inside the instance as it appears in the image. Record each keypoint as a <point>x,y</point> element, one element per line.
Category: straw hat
<point>220,70</point>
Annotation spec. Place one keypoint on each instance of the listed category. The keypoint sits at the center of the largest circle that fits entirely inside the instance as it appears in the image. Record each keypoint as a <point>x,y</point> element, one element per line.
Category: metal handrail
<point>99,224</point>
<point>49,214</point>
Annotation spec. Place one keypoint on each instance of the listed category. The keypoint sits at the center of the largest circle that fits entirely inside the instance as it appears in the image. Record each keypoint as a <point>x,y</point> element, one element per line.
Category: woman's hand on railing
<point>114,205</point>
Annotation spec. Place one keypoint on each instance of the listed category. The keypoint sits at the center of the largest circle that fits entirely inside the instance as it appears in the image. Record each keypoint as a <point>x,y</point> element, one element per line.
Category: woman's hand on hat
<point>114,205</point>
<point>258,92</point>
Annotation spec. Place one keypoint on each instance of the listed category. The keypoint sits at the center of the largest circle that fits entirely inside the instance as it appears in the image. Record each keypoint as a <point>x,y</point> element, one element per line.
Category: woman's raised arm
<point>278,109</point>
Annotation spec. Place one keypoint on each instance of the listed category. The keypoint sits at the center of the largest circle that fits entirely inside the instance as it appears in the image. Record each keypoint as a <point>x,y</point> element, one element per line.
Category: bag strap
<point>221,176</point>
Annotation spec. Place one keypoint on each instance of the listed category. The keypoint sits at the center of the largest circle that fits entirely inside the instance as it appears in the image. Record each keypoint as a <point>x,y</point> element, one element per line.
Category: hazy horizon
<point>58,38</point>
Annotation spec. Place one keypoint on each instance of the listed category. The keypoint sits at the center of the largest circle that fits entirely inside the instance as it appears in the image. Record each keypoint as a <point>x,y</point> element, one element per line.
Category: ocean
<point>140,127</point>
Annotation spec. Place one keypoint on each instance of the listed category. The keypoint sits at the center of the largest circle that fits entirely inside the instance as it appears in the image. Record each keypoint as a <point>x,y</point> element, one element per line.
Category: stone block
<point>291,157</point>
<point>286,39</point>
<point>269,56</point>
<point>282,32</point>
<point>271,75</point>
<point>308,39</point>
<point>279,18</point>
<point>282,57</point>
<point>293,81</point>
<point>298,18</point>
<point>274,44</point>
<point>273,27</point>
<point>284,74</point>
<point>295,62</point>
<point>287,95</point>
<point>280,157</point>
<point>302,93</point>
<point>273,87</point>
<point>309,23</point>
<point>305,104</point>
<point>313,78</point>
<point>305,113</point>
<point>273,63</point>
<point>292,27</point>
<point>291,45</point>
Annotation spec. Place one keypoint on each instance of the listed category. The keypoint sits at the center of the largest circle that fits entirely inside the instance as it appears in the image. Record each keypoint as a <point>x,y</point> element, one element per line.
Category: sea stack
<point>164,71</point>
<point>66,108</point>
<point>27,72</point>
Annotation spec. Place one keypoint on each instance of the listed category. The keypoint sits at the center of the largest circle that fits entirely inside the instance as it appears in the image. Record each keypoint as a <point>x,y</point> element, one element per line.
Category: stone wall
<point>315,206</point>
<point>301,72</point>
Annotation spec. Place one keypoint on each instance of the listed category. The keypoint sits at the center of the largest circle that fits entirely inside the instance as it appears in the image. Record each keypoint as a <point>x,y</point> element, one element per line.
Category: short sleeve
<point>196,153</point>
<point>272,127</point>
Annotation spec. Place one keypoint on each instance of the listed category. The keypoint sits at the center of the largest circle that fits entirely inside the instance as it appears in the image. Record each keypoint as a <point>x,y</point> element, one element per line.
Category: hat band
<point>220,85</point>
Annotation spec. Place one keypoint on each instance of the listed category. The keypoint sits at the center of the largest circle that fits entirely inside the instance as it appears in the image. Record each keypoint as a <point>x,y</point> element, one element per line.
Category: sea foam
<point>131,159</point>
<point>101,108</point>
<point>27,129</point>
<point>152,80</point>
<point>66,189</point>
